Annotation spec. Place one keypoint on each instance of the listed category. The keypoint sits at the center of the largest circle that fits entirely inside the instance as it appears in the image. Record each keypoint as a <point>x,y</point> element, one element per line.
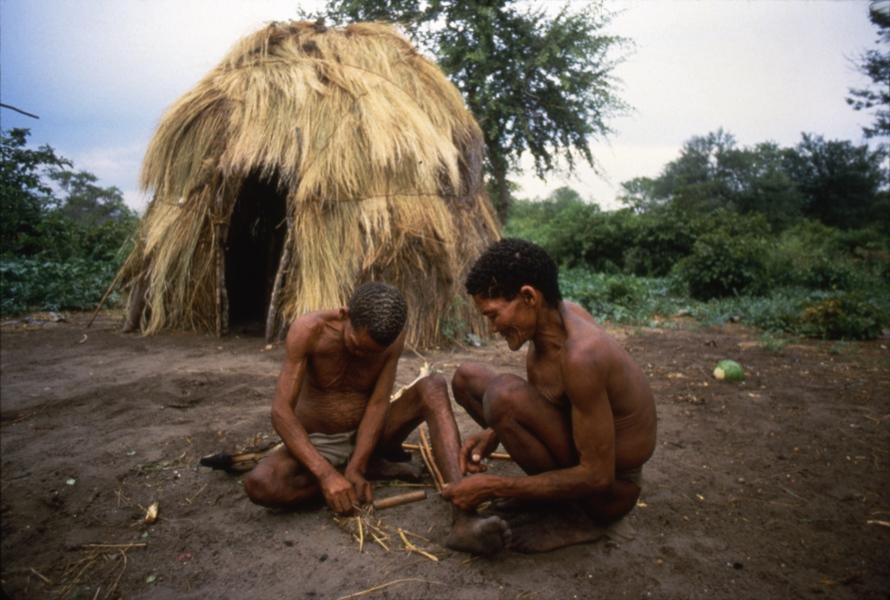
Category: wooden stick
<point>429,468</point>
<point>137,545</point>
<point>19,110</point>
<point>44,578</point>
<point>500,456</point>
<point>107,293</point>
<point>384,585</point>
<point>283,262</point>
<point>399,499</point>
<point>437,475</point>
<point>424,371</point>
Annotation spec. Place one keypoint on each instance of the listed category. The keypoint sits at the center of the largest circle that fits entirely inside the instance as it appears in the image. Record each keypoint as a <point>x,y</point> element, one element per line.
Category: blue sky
<point>100,74</point>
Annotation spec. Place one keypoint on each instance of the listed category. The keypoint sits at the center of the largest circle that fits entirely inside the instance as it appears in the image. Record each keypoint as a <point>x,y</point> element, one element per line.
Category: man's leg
<point>538,436</point>
<point>536,433</point>
<point>280,481</point>
<point>428,401</point>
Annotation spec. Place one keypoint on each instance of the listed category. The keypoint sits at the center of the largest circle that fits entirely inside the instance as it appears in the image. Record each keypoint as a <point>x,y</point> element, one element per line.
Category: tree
<point>87,203</point>
<point>84,220</point>
<point>638,194</point>
<point>841,183</point>
<point>876,65</point>
<point>24,196</point>
<point>535,82</point>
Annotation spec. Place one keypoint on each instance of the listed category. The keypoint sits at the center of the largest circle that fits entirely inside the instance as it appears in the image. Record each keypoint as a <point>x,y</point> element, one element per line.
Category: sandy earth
<point>777,487</point>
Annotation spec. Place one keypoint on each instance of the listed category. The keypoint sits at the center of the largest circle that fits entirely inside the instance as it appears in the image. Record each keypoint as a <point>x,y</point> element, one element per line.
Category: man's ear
<point>530,296</point>
<point>344,312</point>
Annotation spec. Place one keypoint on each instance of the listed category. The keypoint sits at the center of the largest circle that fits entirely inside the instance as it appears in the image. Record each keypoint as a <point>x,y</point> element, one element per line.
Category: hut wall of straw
<point>371,146</point>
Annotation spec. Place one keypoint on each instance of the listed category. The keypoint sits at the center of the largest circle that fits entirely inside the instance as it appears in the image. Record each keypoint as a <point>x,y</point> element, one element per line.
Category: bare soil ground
<point>776,487</point>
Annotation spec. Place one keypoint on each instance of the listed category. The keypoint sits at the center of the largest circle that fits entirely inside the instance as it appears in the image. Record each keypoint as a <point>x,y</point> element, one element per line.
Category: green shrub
<point>36,284</point>
<point>620,298</point>
<point>847,317</point>
<point>721,266</point>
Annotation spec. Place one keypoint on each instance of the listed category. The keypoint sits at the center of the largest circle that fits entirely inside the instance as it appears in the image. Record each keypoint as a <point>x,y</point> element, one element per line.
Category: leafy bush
<point>620,298</point>
<point>847,316</point>
<point>36,284</point>
<point>722,266</point>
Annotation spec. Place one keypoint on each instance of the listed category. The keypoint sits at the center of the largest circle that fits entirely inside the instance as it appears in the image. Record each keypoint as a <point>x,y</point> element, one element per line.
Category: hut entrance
<point>256,236</point>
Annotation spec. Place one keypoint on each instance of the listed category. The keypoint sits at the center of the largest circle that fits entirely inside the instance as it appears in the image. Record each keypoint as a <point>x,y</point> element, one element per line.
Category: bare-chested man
<point>332,411</point>
<point>581,427</point>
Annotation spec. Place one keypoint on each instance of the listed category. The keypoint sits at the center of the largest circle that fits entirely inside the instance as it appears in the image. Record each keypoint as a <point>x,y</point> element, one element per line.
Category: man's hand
<point>363,490</point>
<point>475,448</point>
<point>470,492</point>
<point>338,492</point>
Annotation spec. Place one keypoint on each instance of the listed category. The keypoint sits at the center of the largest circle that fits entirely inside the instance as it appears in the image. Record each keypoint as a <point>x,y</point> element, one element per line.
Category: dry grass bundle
<point>102,565</point>
<point>366,527</point>
<point>373,150</point>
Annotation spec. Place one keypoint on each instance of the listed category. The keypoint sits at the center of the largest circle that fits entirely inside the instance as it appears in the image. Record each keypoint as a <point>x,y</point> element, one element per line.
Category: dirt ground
<point>778,487</point>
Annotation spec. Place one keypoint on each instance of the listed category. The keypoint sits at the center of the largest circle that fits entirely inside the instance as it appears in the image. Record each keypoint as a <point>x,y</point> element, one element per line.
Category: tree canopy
<point>876,65</point>
<point>51,211</point>
<point>834,181</point>
<point>536,82</point>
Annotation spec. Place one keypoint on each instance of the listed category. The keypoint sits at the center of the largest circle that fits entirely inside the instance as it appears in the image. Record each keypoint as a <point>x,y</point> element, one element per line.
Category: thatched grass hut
<point>308,161</point>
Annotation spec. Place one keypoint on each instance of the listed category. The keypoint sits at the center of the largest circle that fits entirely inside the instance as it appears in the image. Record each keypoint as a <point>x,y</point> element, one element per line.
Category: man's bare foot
<point>478,535</point>
<point>380,468</point>
<point>509,506</point>
<point>541,532</point>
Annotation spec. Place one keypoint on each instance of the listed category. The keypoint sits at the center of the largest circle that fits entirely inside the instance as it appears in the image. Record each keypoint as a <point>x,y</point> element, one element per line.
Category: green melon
<point>729,370</point>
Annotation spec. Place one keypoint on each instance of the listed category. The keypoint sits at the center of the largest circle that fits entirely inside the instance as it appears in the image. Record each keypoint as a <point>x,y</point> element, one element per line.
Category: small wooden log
<point>399,500</point>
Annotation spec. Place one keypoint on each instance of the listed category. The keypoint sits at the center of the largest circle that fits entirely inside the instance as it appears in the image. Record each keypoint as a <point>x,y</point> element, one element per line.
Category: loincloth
<point>336,448</point>
<point>634,476</point>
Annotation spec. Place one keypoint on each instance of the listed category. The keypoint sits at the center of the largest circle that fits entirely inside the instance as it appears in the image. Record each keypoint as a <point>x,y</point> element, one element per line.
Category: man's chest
<point>340,374</point>
<point>546,376</point>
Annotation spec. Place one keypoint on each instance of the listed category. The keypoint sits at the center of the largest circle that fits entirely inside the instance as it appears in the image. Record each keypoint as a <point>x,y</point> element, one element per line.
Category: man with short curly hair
<point>333,412</point>
<point>581,426</point>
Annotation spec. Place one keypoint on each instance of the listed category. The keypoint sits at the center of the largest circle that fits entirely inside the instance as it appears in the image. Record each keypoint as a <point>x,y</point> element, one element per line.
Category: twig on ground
<point>40,575</point>
<point>386,585</point>
<point>198,493</point>
<point>410,547</point>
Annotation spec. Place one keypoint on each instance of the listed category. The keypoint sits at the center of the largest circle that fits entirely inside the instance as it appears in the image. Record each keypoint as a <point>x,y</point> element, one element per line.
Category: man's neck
<point>550,334</point>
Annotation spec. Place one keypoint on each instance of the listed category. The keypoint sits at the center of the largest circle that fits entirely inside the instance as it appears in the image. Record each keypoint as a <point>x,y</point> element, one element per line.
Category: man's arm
<point>338,492</point>
<point>593,431</point>
<point>371,425</point>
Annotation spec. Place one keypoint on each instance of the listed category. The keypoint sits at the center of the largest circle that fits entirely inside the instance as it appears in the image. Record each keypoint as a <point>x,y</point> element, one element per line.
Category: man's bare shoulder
<point>588,344</point>
<point>309,329</point>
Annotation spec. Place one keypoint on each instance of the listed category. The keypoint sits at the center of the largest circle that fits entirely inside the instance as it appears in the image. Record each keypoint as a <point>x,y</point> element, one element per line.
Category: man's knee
<point>258,487</point>
<point>461,382</point>
<point>502,397</point>
<point>433,391</point>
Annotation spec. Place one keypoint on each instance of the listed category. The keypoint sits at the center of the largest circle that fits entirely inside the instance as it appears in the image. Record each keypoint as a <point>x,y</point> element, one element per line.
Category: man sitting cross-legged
<point>332,411</point>
<point>581,427</point>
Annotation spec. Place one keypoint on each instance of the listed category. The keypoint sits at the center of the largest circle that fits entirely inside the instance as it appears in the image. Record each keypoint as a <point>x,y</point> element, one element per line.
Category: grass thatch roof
<point>371,146</point>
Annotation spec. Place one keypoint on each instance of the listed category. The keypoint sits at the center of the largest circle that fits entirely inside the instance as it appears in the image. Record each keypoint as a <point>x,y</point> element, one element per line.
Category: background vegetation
<point>788,239</point>
<point>63,236</point>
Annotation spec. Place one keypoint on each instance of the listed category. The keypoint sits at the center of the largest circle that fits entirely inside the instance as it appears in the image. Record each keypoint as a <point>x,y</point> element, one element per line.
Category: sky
<point>101,73</point>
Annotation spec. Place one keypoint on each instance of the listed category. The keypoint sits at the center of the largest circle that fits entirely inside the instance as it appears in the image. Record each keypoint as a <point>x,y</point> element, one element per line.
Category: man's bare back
<point>582,425</point>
